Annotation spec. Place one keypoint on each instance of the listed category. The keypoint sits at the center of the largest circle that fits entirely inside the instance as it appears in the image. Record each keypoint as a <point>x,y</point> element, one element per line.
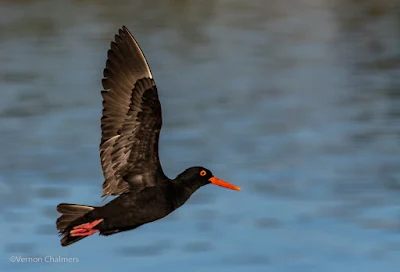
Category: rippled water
<point>297,102</point>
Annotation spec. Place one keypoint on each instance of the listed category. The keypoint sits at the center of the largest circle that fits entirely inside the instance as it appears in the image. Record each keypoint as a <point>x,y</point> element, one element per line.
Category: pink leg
<point>85,229</point>
<point>79,232</point>
<point>89,225</point>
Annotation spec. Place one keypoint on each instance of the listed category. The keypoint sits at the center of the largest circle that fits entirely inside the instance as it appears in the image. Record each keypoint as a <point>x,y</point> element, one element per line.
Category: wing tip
<point>124,32</point>
<point>125,36</point>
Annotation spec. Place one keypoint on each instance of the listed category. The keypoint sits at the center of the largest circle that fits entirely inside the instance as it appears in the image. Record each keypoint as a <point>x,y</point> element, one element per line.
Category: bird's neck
<point>182,190</point>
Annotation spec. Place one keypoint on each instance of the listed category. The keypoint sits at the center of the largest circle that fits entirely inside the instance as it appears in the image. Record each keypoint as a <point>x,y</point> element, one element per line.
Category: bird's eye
<point>203,173</point>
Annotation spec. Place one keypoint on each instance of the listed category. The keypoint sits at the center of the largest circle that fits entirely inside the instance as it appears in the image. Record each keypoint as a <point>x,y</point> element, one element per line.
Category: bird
<point>130,129</point>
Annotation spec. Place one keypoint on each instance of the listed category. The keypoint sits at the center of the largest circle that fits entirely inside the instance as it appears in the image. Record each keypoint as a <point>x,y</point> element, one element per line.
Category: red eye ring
<point>203,173</point>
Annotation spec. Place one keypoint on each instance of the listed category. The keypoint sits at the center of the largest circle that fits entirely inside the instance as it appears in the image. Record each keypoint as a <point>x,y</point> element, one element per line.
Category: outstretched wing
<point>131,121</point>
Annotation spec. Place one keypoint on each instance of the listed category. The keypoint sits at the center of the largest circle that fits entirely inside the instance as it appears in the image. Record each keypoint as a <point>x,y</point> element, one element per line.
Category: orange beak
<point>222,183</point>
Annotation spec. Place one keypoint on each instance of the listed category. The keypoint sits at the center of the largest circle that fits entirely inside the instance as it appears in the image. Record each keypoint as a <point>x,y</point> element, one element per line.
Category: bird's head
<point>203,176</point>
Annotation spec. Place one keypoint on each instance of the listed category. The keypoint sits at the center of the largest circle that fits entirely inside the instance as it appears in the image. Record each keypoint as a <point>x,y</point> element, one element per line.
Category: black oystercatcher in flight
<point>131,125</point>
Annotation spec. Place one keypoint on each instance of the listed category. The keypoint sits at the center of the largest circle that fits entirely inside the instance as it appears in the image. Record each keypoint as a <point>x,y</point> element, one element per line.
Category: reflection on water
<point>295,102</point>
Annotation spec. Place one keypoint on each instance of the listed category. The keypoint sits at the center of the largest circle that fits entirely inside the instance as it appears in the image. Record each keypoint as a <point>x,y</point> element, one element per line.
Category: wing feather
<point>131,120</point>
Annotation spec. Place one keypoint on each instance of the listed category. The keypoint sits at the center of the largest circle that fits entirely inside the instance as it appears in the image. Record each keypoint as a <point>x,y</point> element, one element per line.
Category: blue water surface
<point>297,102</point>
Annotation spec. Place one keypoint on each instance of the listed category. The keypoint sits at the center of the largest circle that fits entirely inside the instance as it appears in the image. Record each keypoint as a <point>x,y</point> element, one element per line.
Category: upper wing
<point>131,121</point>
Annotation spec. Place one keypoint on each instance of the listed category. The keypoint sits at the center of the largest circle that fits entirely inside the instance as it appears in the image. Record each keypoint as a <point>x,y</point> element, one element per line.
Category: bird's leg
<point>86,229</point>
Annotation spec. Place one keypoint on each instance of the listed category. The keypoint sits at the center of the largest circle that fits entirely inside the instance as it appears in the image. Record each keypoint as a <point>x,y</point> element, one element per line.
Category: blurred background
<point>297,102</point>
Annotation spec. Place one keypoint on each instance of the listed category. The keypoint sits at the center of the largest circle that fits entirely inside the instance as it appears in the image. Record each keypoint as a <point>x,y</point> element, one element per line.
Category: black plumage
<point>131,125</point>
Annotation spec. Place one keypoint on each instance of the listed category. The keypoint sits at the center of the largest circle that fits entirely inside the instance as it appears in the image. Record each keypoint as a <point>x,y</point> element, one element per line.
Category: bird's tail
<point>70,213</point>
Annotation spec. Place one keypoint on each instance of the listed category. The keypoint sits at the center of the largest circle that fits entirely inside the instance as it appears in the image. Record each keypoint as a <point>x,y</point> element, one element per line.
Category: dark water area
<point>297,102</point>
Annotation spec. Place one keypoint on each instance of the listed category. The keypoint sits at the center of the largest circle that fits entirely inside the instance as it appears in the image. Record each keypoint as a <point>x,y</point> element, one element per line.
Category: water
<point>295,102</point>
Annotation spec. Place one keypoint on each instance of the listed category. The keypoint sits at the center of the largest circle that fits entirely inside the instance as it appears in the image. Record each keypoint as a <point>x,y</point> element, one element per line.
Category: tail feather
<point>69,214</point>
<point>68,239</point>
<point>73,208</point>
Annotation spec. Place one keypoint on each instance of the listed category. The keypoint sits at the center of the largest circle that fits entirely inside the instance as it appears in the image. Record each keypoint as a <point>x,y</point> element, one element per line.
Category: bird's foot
<point>85,229</point>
